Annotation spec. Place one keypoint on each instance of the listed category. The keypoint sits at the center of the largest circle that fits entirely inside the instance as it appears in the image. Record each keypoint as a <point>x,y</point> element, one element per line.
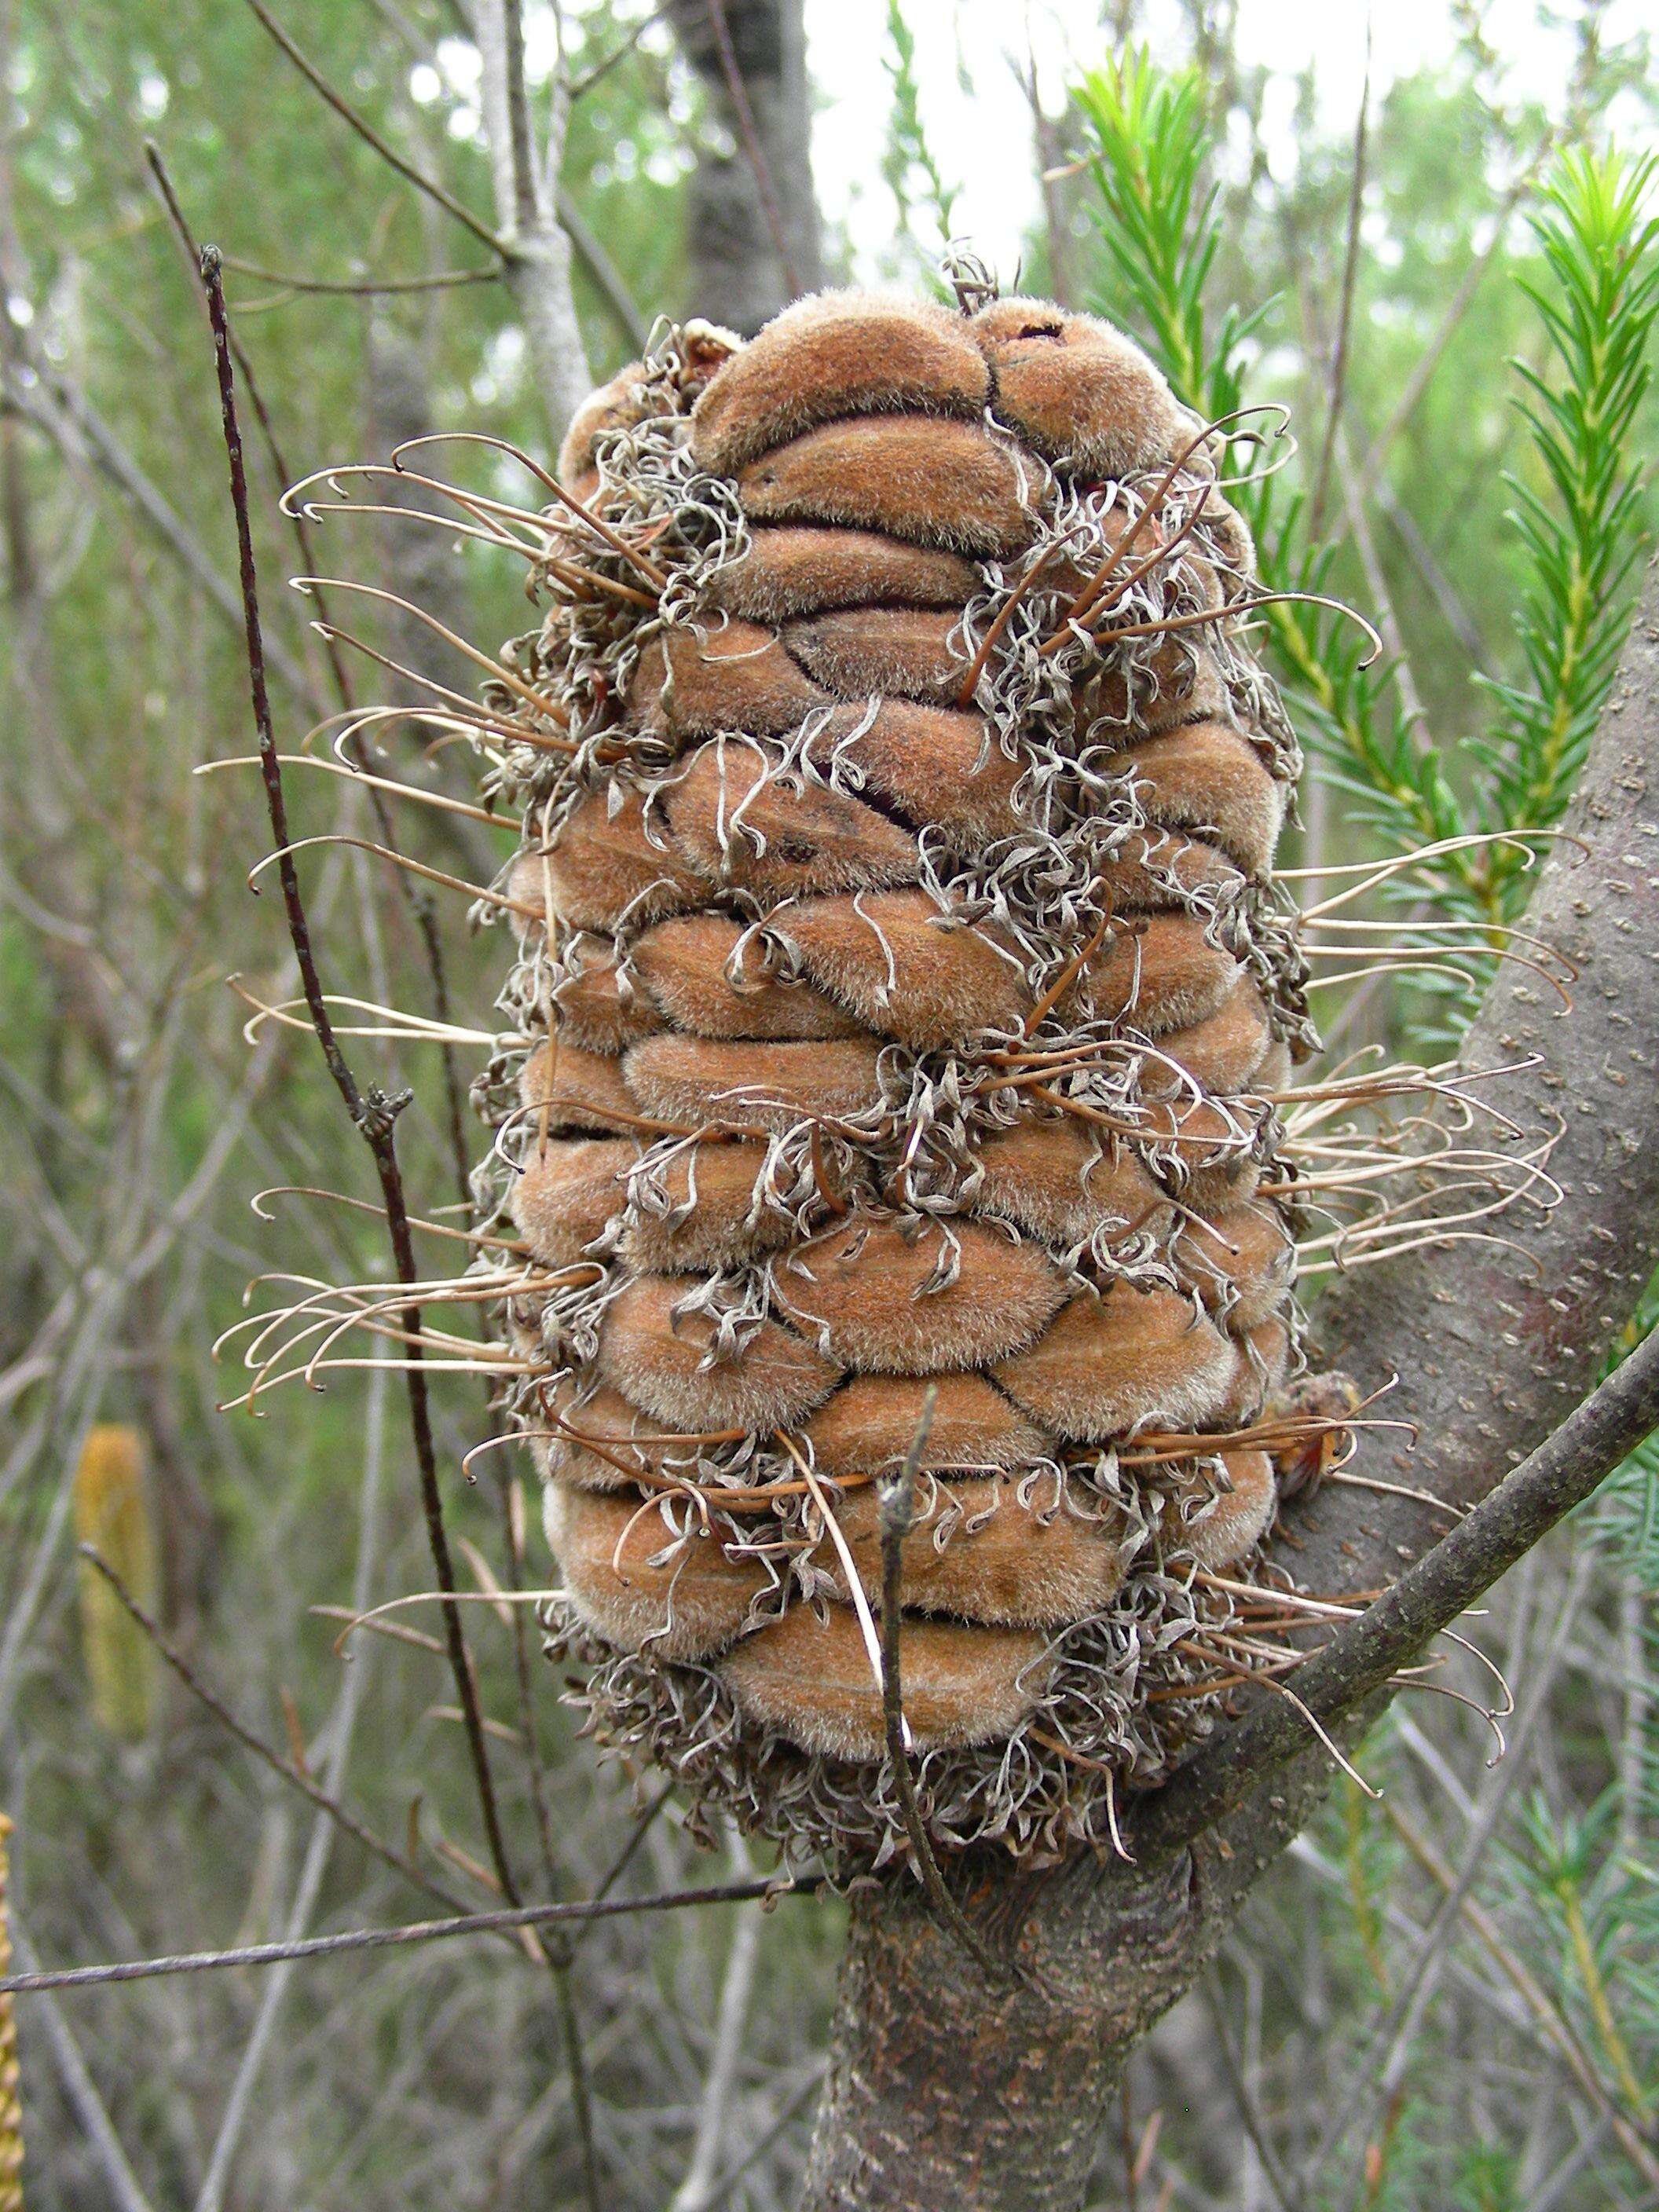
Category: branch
<point>743,115</point>
<point>536,241</point>
<point>607,278</point>
<point>1359,1659</point>
<point>295,1776</point>
<point>1336,393</point>
<point>366,130</point>
<point>73,424</point>
<point>414,1931</point>
<point>374,1113</point>
<point>751,221</point>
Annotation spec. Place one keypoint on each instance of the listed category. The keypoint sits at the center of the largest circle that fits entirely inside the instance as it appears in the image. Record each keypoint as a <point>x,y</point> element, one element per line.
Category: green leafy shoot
<point>1581,519</point>
<point>1148,147</point>
<point>908,164</point>
<point>1578,512</point>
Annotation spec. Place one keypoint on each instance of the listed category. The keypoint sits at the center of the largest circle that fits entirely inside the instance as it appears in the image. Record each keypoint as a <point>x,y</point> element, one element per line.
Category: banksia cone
<point>112,1516</point>
<point>11,2092</point>
<point>902,992</point>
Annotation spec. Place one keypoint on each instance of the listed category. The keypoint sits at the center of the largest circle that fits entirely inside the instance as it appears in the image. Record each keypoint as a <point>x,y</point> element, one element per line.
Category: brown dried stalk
<point>374,1113</point>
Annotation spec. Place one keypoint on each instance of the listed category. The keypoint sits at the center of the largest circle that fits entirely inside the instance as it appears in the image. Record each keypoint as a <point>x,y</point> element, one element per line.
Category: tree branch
<point>413,1931</point>
<point>1359,1659</point>
<point>374,1114</point>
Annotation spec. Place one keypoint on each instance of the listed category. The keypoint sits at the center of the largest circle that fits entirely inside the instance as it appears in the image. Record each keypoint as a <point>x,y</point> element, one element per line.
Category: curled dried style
<point>897,1075</point>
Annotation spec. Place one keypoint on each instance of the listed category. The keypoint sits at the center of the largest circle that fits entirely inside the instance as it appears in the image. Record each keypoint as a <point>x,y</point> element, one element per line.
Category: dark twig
<point>606,277</point>
<point>366,130</point>
<point>620,51</point>
<point>295,1776</point>
<point>1359,1660</point>
<point>193,250</point>
<point>525,209</point>
<point>1428,360</point>
<point>441,280</point>
<point>598,264</point>
<point>898,1501</point>
<point>374,1113</point>
<point>414,1931</point>
<point>1245,2104</point>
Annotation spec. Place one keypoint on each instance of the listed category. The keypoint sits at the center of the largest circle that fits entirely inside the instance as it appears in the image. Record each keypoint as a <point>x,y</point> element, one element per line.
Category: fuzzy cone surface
<point>901,994</point>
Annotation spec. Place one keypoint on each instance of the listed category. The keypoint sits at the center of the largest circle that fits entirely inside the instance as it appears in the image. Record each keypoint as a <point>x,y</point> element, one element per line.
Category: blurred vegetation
<point>1379,2033</point>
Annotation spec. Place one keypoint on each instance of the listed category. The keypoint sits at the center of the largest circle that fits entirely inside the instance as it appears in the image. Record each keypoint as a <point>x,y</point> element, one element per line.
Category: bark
<point>752,241</point>
<point>947,2090</point>
<point>524,177</point>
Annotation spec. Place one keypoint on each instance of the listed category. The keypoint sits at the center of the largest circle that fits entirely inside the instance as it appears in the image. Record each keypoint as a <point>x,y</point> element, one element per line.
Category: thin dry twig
<point>413,1931</point>
<point>374,1113</point>
<point>1338,391</point>
<point>294,1776</point>
<point>366,130</point>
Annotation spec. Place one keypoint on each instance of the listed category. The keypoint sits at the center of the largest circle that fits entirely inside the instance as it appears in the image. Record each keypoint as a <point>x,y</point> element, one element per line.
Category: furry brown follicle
<point>868,1292</point>
<point>836,354</point>
<point>659,1356</point>
<point>894,960</point>
<point>941,768</point>
<point>811,1680</point>
<point>710,976</point>
<point>987,1550</point>
<point>906,930</point>
<point>790,571</point>
<point>605,866</point>
<point>935,483</point>
<point>706,1083</point>
<point>639,1587</point>
<point>1077,388</point>
<point>869,1426</point>
<point>905,652</point>
<point>732,817</point>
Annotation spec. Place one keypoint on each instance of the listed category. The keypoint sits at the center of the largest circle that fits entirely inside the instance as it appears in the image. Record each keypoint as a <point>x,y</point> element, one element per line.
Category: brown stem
<point>373,1112</point>
<point>366,130</point>
<point>415,1931</point>
<point>294,1776</point>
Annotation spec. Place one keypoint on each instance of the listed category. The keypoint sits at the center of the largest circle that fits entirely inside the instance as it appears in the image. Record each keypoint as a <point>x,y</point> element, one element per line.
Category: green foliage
<point>1160,224</point>
<point>1487,2179</point>
<point>1599,1913</point>
<point>1583,530</point>
<point>1580,519</point>
<point>907,162</point>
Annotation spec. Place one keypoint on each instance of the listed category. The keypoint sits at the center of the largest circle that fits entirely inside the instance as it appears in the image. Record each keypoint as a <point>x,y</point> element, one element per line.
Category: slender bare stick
<point>414,1931</point>
<point>441,280</point>
<point>366,130</point>
<point>295,1776</point>
<point>743,115</point>
<point>374,1112</point>
<point>1338,391</point>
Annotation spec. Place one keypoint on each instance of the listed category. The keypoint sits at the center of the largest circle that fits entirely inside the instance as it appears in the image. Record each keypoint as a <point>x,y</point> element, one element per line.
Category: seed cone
<point>11,2101</point>
<point>904,985</point>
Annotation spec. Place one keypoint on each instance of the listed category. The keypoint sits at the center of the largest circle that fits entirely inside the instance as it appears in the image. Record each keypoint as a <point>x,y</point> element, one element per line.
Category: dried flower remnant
<point>11,2097</point>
